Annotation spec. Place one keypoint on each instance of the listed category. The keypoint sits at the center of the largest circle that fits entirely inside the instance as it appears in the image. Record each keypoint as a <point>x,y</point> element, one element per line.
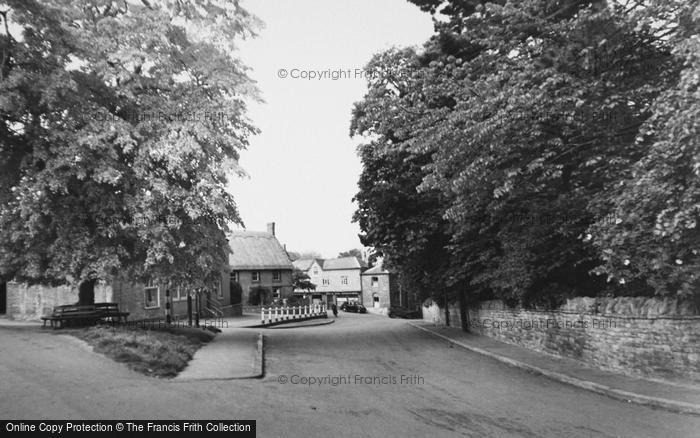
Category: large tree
<point>516,116</point>
<point>651,236</point>
<point>402,224</point>
<point>121,121</point>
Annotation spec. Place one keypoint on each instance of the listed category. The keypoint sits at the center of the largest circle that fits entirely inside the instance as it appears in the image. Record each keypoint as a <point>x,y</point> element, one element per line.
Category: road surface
<point>364,375</point>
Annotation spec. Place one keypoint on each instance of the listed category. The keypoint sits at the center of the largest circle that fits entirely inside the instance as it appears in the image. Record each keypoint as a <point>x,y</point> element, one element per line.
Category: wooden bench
<point>111,312</point>
<point>63,315</point>
<point>84,314</point>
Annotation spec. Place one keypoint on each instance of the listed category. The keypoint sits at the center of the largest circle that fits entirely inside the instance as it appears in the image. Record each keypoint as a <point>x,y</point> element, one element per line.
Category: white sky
<point>304,167</point>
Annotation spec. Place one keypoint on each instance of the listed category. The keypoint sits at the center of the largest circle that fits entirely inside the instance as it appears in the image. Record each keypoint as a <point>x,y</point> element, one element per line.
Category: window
<point>326,282</point>
<point>375,281</point>
<point>344,279</point>
<point>256,275</point>
<point>234,276</point>
<point>276,293</point>
<point>151,296</point>
<point>178,293</point>
<point>276,276</point>
<point>315,271</point>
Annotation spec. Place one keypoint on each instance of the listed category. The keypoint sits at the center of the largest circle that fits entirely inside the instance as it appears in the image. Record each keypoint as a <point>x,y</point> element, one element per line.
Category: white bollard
<point>262,315</point>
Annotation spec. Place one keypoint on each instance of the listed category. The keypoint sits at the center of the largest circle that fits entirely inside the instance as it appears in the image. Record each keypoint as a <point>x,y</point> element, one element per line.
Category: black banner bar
<point>235,428</point>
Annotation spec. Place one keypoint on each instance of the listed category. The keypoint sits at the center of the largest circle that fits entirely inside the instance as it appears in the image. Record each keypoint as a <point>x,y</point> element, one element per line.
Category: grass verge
<point>161,352</point>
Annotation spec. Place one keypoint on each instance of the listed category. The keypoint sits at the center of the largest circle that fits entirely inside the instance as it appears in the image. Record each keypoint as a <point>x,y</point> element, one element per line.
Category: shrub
<point>400,312</point>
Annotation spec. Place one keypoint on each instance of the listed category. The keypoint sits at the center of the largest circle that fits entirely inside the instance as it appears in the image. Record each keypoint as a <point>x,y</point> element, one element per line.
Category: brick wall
<point>130,297</point>
<point>635,339</point>
<point>32,302</point>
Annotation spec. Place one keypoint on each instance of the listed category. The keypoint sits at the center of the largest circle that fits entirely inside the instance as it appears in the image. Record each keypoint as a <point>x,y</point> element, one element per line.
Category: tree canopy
<point>302,281</point>
<point>121,122</point>
<point>534,150</point>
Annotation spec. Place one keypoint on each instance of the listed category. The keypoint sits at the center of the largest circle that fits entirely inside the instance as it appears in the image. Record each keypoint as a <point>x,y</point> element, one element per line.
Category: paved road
<point>446,391</point>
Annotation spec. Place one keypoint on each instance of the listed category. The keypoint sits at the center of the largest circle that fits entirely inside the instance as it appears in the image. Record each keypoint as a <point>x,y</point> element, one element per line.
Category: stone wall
<point>636,336</point>
<point>379,285</point>
<point>32,302</point>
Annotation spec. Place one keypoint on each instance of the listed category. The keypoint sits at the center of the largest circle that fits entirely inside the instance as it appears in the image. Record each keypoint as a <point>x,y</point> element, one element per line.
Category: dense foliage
<point>302,281</point>
<point>534,150</point>
<point>120,122</point>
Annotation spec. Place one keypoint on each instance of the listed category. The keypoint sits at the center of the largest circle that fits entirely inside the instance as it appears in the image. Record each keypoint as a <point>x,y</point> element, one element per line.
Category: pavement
<point>232,354</point>
<point>18,323</point>
<point>682,398</point>
<point>305,323</point>
<point>236,352</point>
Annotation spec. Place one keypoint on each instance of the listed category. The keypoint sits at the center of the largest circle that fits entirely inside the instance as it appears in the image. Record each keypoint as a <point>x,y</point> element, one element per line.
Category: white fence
<point>276,314</point>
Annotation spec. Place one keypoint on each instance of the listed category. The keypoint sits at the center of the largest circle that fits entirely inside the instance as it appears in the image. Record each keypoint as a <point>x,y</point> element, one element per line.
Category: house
<point>259,267</point>
<point>336,280</point>
<point>259,271</point>
<point>380,290</point>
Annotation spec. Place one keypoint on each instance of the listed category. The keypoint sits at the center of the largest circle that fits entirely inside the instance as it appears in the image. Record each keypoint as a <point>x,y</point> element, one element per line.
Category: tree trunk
<point>447,310</point>
<point>86,292</point>
<point>463,313</point>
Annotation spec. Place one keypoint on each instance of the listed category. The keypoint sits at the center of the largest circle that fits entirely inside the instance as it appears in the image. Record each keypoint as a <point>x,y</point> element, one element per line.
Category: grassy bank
<point>161,352</point>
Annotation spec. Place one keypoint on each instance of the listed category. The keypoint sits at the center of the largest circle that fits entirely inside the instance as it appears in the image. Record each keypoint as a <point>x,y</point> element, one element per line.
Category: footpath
<point>676,397</point>
<point>232,354</point>
<point>238,351</point>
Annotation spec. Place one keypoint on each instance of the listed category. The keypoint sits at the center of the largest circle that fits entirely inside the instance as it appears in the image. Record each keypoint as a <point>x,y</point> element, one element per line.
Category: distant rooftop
<point>342,263</point>
<point>349,262</point>
<point>303,264</point>
<point>377,269</point>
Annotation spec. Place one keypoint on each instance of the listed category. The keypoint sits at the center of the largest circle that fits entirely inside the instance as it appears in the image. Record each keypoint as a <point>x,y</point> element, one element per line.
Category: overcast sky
<point>304,167</point>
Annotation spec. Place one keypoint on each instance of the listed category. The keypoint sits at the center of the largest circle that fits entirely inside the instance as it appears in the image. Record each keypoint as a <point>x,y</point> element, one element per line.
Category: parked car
<point>351,306</point>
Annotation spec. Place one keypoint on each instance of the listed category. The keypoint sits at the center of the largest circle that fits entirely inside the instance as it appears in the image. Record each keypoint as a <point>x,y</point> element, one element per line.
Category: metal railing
<point>212,307</point>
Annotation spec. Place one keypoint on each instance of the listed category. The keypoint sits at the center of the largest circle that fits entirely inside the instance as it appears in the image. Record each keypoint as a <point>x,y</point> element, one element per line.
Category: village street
<point>383,377</point>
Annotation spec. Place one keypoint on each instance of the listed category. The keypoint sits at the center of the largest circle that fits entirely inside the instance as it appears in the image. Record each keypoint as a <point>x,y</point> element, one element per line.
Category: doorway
<point>3,297</point>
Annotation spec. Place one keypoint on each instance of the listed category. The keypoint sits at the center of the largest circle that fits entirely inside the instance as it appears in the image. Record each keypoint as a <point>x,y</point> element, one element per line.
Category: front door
<point>375,298</point>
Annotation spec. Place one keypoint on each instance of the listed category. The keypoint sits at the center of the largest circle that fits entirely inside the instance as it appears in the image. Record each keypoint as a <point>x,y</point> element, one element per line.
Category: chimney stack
<point>271,228</point>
